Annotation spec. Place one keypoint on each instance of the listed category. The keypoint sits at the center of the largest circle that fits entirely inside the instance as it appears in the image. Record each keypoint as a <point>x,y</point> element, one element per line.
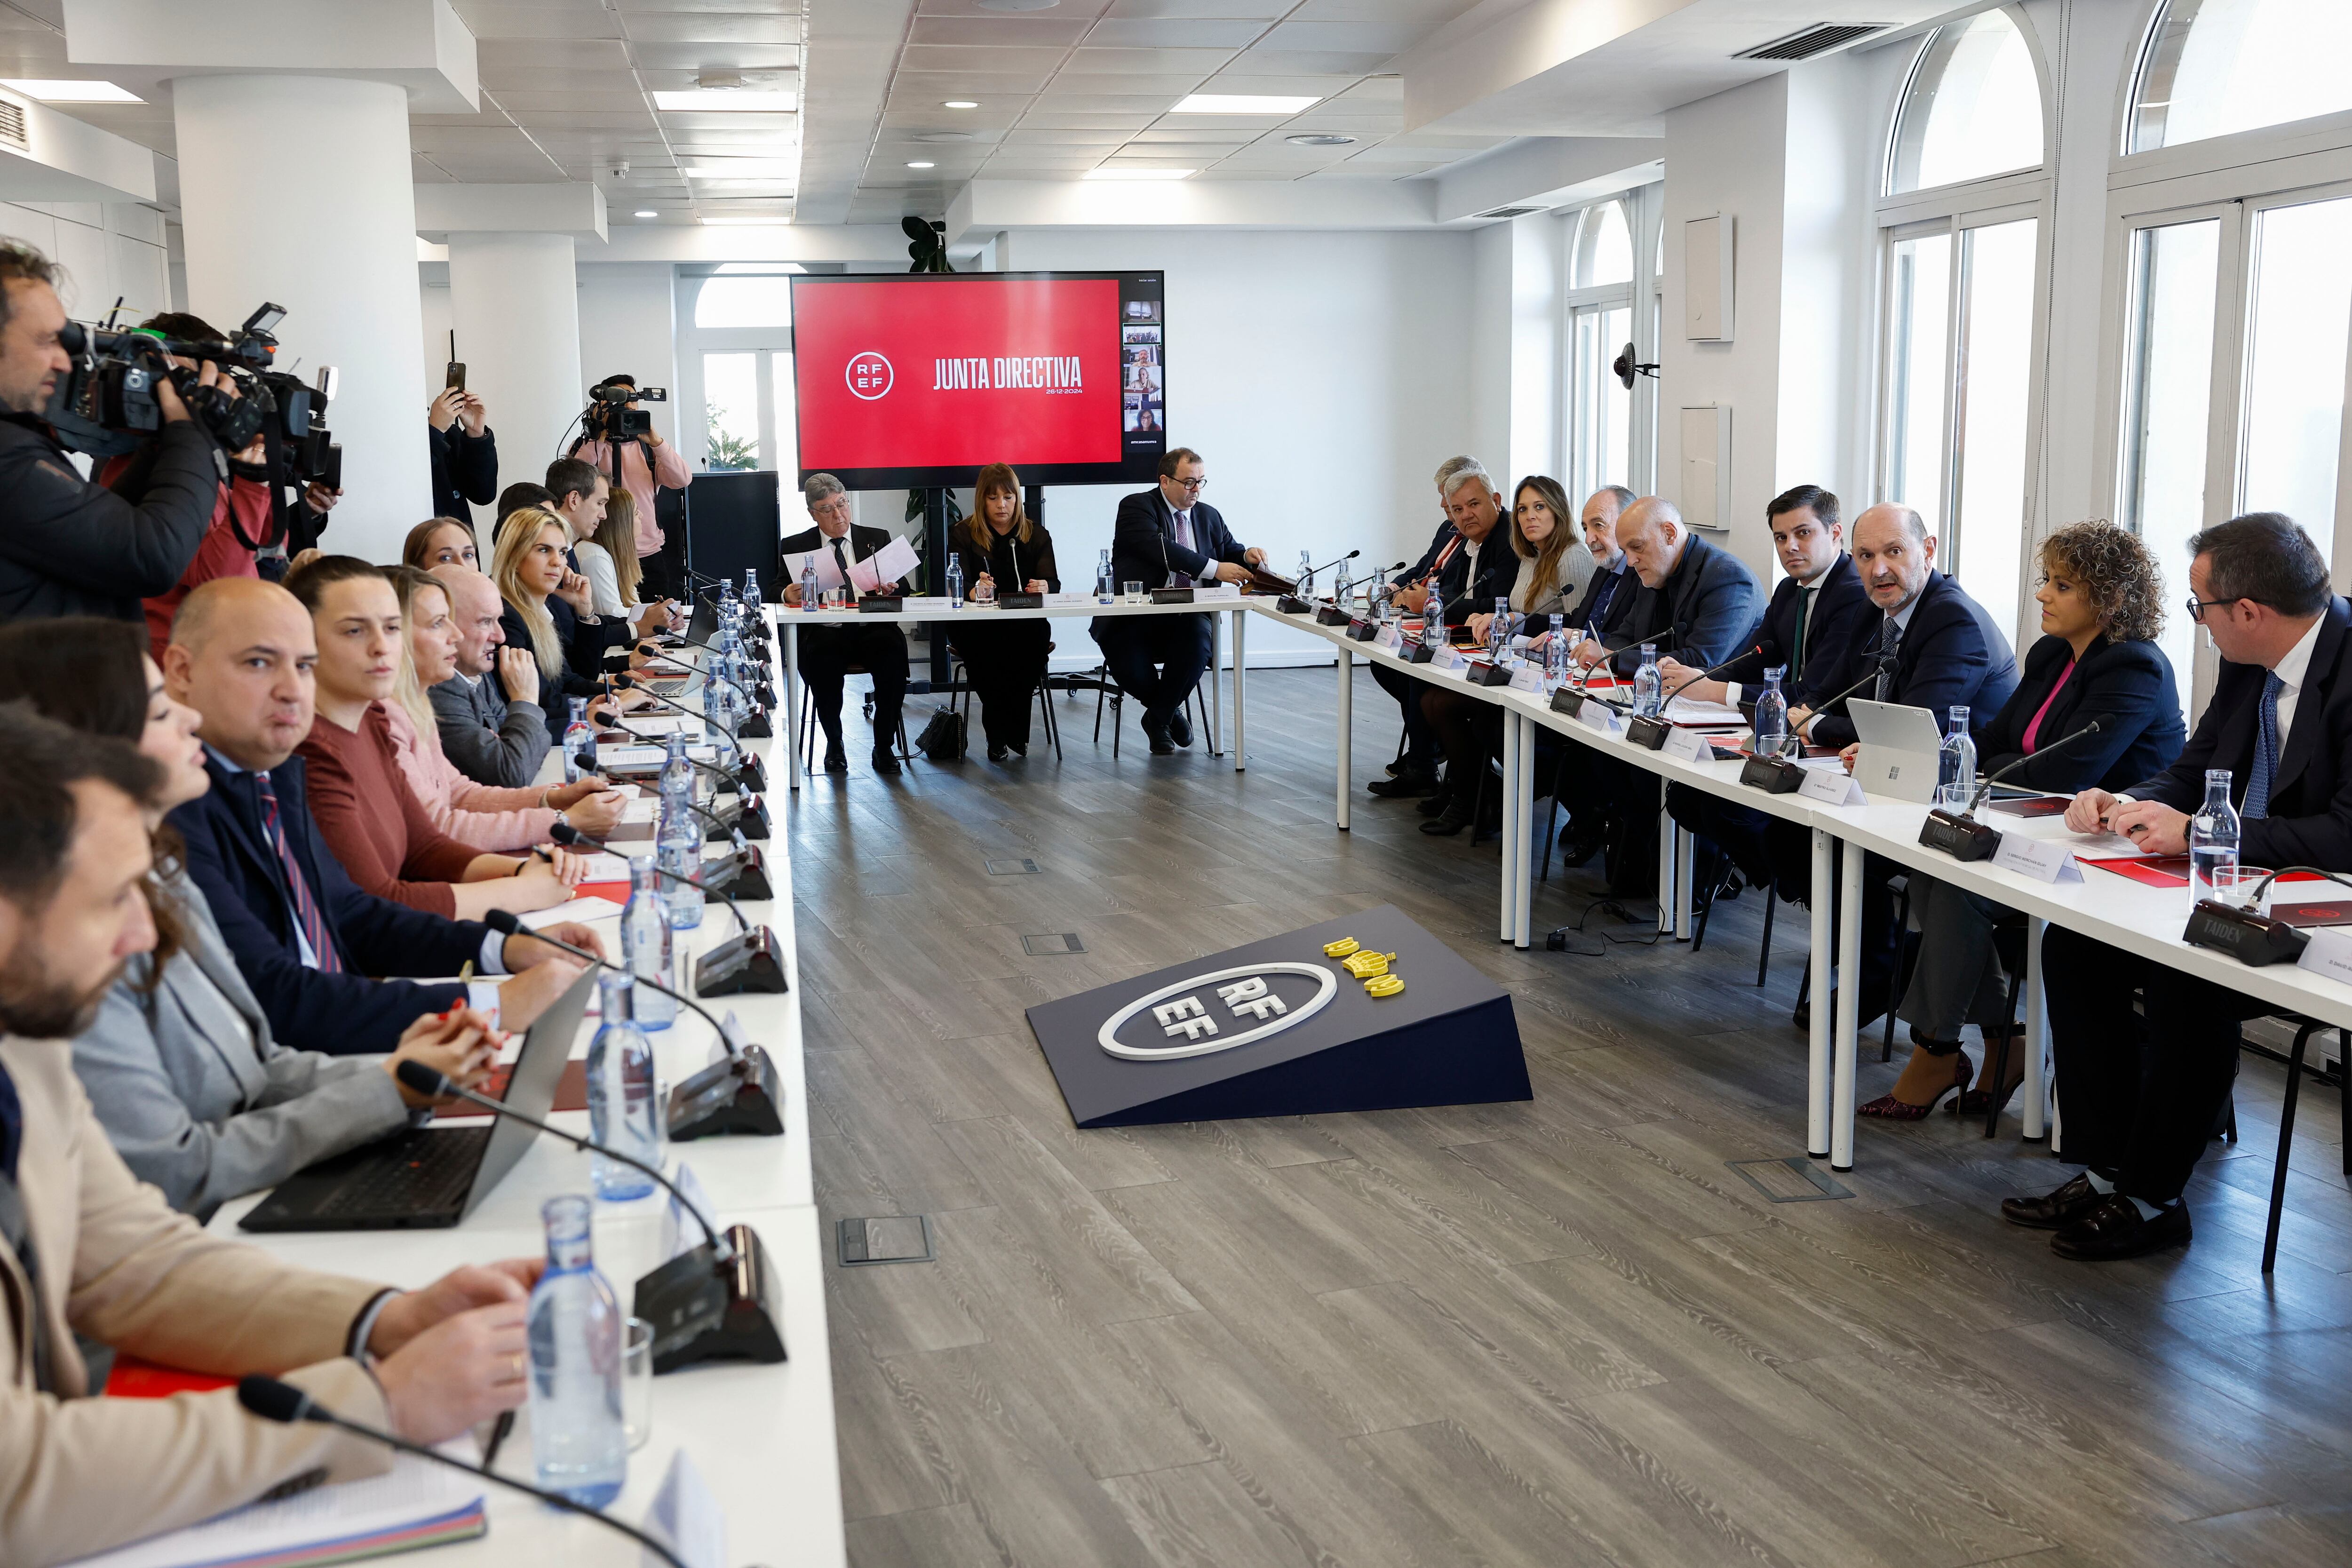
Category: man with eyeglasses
<point>2280,723</point>
<point>1168,538</point>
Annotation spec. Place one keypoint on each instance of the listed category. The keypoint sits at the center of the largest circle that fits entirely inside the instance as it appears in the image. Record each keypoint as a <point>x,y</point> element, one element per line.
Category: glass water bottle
<point>579,1436</point>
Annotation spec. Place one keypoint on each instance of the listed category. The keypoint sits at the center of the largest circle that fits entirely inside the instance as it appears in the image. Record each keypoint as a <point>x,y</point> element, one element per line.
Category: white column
<point>298,190</point>
<point>514,304</point>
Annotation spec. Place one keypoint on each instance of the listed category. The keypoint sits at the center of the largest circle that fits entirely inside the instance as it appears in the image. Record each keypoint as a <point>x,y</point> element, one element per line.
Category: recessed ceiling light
<point>1016,4</point>
<point>759,269</point>
<point>921,165</point>
<point>726,101</point>
<point>746,220</point>
<point>1320,140</point>
<point>1116,171</point>
<point>645,212</point>
<point>742,169</point>
<point>945,136</point>
<point>72,91</point>
<point>958,103</point>
<point>1241,103</point>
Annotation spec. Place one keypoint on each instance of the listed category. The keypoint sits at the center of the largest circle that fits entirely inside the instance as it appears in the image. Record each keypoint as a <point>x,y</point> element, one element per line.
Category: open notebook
<point>413,1504</point>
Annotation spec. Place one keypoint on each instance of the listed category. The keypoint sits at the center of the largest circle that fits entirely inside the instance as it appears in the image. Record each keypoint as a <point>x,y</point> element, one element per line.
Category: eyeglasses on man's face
<point>2197,607</point>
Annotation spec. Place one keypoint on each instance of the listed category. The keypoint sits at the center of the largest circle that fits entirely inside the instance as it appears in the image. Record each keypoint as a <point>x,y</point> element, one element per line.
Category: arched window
<point>1605,248</point>
<point>1971,109</point>
<point>744,302</point>
<point>2215,66</point>
<point>1603,445</point>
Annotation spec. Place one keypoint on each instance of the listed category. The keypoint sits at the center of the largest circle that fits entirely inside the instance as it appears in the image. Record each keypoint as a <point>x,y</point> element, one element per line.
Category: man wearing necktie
<point>2280,723</point>
<point>1168,538</point>
<point>828,652</point>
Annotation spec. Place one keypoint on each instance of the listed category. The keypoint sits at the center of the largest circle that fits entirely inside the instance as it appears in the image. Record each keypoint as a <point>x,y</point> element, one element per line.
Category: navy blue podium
<point>1275,1029</point>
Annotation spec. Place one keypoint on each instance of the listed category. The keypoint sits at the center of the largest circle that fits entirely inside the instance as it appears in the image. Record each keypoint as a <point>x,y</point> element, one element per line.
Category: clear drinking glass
<point>2244,887</point>
<point>1134,593</point>
<point>637,1382</point>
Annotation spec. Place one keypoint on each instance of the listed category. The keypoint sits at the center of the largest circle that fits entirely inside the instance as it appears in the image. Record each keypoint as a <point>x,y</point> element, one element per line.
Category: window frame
<point>2006,197</point>
<point>1643,207</point>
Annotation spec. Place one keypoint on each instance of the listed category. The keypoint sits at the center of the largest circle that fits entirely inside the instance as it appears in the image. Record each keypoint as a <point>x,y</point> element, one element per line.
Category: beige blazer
<point>119,1266</point>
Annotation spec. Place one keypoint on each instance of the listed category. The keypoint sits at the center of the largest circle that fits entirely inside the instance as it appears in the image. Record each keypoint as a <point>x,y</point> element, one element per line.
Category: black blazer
<point>1428,561</point>
<point>2125,685</point>
<point>2310,820</point>
<point>1011,562</point>
<point>1617,613</point>
<point>1706,606</point>
<point>567,680</point>
<point>1464,593</point>
<point>1143,547</point>
<point>344,1014</point>
<point>465,468</point>
<point>859,543</point>
<point>1841,611</point>
<point>1952,655</point>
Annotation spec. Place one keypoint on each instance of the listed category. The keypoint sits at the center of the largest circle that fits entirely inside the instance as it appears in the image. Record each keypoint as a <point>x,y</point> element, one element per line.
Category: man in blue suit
<point>1168,538</point>
<point>1932,646</point>
<point>305,936</point>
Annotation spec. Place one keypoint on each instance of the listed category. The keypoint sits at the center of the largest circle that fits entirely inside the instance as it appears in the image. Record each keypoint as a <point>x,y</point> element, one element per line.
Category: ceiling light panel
<point>741,169</point>
<point>1242,103</point>
<point>52,91</point>
<point>1133,171</point>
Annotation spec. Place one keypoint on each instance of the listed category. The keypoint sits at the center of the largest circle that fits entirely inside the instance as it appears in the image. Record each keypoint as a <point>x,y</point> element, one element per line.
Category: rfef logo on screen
<point>868,376</point>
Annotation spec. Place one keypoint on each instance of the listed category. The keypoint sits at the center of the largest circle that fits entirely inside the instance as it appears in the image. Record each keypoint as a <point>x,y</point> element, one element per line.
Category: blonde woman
<point>473,814</point>
<point>609,559</point>
<point>528,568</point>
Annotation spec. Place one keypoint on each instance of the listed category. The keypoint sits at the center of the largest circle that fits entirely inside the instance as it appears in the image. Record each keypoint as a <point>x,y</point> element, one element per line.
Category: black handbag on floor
<point>942,738</point>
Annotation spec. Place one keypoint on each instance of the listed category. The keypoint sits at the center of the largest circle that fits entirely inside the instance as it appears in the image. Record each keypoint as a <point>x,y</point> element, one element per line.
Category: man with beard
<point>86,1250</point>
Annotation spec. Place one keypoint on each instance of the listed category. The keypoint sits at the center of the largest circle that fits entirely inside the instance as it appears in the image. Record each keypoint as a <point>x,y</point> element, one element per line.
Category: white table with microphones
<point>727,1266</point>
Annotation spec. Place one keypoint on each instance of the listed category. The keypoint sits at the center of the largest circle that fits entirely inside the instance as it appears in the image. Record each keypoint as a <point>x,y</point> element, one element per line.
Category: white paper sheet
<point>589,908</point>
<point>889,565</point>
<point>828,575</point>
<point>411,1492</point>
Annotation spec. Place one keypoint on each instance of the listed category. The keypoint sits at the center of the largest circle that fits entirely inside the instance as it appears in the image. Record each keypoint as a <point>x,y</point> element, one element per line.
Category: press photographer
<point>69,547</point>
<point>619,441</point>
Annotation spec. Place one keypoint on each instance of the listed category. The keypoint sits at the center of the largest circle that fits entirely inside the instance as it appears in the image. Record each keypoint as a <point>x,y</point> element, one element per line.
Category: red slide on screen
<point>957,375</point>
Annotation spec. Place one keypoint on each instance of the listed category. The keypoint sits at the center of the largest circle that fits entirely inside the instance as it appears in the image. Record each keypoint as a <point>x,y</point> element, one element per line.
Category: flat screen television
<point>920,379</point>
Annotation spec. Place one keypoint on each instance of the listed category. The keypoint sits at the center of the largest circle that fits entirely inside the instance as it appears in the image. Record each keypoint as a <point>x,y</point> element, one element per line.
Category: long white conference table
<point>761,1437</point>
<point>2109,908</point>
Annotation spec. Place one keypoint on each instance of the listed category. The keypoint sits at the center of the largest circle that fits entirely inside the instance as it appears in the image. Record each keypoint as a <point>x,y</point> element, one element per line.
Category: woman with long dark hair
<point>181,1067</point>
<point>1002,551</point>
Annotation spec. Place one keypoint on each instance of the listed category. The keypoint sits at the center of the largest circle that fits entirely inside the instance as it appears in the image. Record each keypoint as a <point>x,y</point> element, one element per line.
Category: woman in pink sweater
<point>473,814</point>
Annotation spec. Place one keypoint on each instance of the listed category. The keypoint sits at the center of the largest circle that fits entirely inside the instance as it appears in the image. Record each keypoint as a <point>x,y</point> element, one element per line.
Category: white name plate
<point>1450,659</point>
<point>1595,714</point>
<point>1690,745</point>
<point>2044,859</point>
<point>1387,638</point>
<point>1528,677</point>
<point>1059,599</point>
<point>1221,591</point>
<point>925,604</point>
<point>2330,954</point>
<point>1831,786</point>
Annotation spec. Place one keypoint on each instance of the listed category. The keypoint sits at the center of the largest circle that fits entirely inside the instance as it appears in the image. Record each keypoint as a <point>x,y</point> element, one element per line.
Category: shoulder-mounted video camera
<point>609,416</point>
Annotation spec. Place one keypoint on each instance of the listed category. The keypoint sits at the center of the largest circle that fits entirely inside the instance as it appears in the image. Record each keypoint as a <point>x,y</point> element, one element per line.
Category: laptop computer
<point>430,1178</point>
<point>1900,749</point>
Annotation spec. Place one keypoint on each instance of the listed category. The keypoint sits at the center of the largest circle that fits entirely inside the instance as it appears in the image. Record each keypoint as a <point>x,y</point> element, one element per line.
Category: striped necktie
<point>1889,641</point>
<point>306,903</point>
<point>2266,752</point>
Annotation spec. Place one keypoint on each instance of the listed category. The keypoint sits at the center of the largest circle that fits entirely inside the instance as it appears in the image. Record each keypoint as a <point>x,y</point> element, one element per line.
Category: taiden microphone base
<point>736,1094</point>
<point>703,1309</point>
<point>750,962</point>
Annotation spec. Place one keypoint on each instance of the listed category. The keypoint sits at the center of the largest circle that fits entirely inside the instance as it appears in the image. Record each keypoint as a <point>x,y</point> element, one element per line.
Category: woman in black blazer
<point>998,545</point>
<point>2102,608</point>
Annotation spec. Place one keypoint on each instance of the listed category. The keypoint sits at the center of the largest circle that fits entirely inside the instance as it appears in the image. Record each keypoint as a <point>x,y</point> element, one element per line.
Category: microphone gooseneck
<point>287,1405</point>
<point>1985,788</point>
<point>564,833</point>
<point>504,923</point>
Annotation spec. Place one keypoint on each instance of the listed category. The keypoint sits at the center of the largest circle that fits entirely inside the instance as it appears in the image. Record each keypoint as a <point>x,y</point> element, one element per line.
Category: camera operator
<point>645,463</point>
<point>69,547</point>
<point>464,453</point>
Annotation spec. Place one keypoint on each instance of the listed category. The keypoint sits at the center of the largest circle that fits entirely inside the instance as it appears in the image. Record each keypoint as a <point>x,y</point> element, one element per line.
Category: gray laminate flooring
<point>1547,1333</point>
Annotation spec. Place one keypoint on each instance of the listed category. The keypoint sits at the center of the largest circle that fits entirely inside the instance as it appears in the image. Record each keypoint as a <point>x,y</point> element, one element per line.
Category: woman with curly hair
<point>2102,608</point>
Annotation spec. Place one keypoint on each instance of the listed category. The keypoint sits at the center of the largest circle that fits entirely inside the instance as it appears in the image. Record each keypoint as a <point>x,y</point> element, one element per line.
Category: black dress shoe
<point>1576,849</point>
<point>1404,787</point>
<point>2052,1210</point>
<point>998,753</point>
<point>2112,1230</point>
<point>836,760</point>
<point>886,761</point>
<point>1020,748</point>
<point>1161,745</point>
<point>1179,727</point>
<point>1457,817</point>
<point>1437,802</point>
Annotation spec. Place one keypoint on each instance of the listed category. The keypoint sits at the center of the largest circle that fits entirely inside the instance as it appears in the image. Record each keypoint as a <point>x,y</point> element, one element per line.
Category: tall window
<point>1962,217</point>
<point>742,325</point>
<point>2214,68</point>
<point>1611,428</point>
<point>2236,340</point>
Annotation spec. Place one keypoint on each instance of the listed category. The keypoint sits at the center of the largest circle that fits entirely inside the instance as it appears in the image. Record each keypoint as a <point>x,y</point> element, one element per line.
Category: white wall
<point>1321,376</point>
<point>628,325</point>
<point>106,248</point>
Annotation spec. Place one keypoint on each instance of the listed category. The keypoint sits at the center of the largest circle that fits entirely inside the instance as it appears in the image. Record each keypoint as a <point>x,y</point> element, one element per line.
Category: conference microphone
<point>1650,733</point>
<point>748,766</point>
<point>754,726</point>
<point>750,811</point>
<point>1290,604</point>
<point>564,833</point>
<point>283,1402</point>
<point>737,1094</point>
<point>1961,836</point>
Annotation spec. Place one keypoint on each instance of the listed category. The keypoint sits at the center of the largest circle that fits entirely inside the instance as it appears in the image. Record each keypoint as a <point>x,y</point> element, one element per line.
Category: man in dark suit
<point>2137,1112</point>
<point>304,936</point>
<point>1168,537</point>
<point>1930,647</point>
<point>828,651</point>
<point>1810,628</point>
<point>1414,773</point>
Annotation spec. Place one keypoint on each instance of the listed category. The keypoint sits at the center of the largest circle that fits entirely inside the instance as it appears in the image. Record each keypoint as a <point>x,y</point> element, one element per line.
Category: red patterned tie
<point>306,904</point>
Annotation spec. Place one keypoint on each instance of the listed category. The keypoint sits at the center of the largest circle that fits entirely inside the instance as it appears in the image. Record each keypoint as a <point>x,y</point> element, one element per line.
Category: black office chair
<point>2304,1029</point>
<point>806,740</point>
<point>1044,694</point>
<point>1107,688</point>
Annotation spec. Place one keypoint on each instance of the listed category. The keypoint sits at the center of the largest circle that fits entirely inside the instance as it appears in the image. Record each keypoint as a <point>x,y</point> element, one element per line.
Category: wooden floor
<point>1549,1333</point>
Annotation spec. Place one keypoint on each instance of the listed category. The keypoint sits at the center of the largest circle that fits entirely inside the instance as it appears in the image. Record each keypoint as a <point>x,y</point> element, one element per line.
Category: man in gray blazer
<point>492,729</point>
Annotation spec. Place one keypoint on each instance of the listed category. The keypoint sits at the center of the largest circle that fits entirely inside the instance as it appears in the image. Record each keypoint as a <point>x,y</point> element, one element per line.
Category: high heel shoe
<point>1978,1102</point>
<point>1886,1107</point>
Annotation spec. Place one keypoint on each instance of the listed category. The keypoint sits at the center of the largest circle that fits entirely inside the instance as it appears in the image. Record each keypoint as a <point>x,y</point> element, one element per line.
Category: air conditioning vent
<point>1818,39</point>
<point>1510,212</point>
<point>12,126</point>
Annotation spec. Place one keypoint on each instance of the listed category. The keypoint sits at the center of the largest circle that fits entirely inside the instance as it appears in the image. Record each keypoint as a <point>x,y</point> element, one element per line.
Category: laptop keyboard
<point>430,1174</point>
